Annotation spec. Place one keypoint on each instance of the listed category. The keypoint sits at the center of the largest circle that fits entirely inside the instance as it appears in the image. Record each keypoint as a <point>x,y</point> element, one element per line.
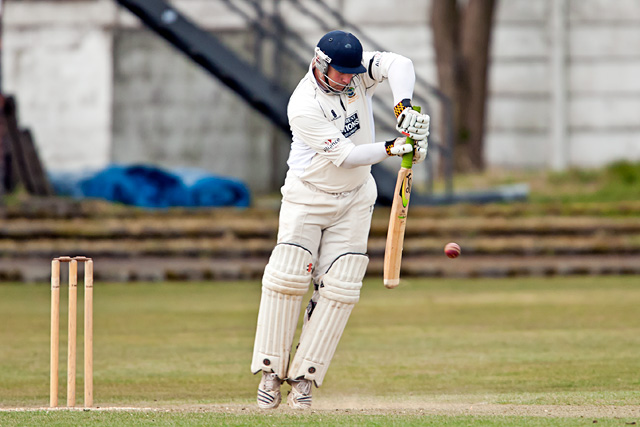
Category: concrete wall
<point>57,61</point>
<point>592,98</point>
<point>168,111</point>
<point>604,81</point>
<point>96,87</point>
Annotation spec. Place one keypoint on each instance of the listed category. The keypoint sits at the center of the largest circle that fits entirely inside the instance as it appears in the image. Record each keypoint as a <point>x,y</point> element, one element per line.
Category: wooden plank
<point>22,154</point>
<point>37,174</point>
<point>17,154</point>
<point>8,178</point>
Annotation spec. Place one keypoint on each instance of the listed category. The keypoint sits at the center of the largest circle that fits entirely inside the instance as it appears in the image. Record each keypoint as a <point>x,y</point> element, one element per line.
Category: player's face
<point>337,80</point>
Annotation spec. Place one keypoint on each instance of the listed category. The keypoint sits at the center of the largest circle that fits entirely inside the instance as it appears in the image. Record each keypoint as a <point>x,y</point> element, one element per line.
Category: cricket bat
<point>398,220</point>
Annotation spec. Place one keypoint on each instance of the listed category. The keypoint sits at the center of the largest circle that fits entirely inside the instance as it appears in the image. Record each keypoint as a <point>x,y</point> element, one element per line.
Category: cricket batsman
<point>327,202</point>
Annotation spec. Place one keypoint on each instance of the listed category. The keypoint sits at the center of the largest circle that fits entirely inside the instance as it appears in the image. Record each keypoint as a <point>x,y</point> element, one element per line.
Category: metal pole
<point>559,122</point>
<point>2,130</point>
<point>1,16</point>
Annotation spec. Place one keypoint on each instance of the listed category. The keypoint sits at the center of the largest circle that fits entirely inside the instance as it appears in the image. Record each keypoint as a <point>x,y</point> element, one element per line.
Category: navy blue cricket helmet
<point>341,50</point>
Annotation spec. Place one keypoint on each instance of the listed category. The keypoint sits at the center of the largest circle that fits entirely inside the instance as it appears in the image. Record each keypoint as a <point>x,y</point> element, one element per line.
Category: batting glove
<point>419,153</point>
<point>400,146</point>
<point>411,123</point>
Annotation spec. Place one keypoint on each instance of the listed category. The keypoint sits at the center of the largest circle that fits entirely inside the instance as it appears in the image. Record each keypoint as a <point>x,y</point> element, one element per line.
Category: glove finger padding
<point>419,154</point>
<point>407,118</point>
<point>420,151</point>
<point>422,144</point>
<point>416,134</point>
<point>413,124</point>
<point>398,147</point>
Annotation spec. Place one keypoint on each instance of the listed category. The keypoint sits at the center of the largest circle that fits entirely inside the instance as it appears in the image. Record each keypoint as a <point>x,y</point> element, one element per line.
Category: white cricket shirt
<point>327,126</point>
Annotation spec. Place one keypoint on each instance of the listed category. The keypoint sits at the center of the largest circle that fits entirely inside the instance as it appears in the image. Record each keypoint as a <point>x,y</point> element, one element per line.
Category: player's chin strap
<point>322,61</point>
<point>286,279</point>
<point>339,292</point>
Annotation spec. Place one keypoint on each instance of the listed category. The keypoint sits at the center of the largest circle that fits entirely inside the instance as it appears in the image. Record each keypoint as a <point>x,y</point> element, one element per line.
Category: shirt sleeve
<point>396,68</point>
<point>366,154</point>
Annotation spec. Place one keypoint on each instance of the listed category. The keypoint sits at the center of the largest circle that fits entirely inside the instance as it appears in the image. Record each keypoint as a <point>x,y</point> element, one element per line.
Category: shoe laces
<point>303,386</point>
<point>271,381</point>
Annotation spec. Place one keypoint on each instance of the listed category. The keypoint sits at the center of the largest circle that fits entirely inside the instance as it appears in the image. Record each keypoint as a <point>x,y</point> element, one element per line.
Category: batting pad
<point>285,281</point>
<point>339,292</point>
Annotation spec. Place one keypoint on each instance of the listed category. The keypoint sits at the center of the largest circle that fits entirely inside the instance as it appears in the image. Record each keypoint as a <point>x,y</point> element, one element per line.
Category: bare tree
<point>462,36</point>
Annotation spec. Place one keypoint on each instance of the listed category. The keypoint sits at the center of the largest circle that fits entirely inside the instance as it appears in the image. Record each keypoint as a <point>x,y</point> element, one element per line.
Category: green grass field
<point>541,352</point>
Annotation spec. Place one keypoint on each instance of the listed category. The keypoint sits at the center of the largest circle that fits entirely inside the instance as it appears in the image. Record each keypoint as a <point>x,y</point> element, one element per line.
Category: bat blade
<point>398,221</point>
<point>397,224</point>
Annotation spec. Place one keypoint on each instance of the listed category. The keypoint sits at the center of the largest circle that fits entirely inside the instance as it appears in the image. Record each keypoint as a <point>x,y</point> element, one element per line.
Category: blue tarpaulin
<point>210,190</point>
<point>154,187</point>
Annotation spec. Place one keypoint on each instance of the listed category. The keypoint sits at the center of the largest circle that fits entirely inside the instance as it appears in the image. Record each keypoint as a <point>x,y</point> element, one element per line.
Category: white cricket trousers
<point>327,224</point>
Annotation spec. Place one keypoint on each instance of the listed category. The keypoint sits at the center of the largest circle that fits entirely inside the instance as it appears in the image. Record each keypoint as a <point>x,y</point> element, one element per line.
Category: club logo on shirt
<point>351,125</point>
<point>335,116</point>
<point>352,95</point>
<point>330,144</point>
<point>377,59</point>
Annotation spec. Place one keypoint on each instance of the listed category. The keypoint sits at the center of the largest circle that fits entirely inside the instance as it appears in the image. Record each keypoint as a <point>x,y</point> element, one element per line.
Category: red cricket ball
<point>452,250</point>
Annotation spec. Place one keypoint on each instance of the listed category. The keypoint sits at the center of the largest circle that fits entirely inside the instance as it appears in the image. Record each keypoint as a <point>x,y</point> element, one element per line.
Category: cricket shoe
<point>300,394</point>
<point>269,396</point>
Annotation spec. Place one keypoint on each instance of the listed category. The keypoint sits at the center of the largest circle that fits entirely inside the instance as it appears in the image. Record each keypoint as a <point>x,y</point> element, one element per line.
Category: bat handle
<point>407,159</point>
